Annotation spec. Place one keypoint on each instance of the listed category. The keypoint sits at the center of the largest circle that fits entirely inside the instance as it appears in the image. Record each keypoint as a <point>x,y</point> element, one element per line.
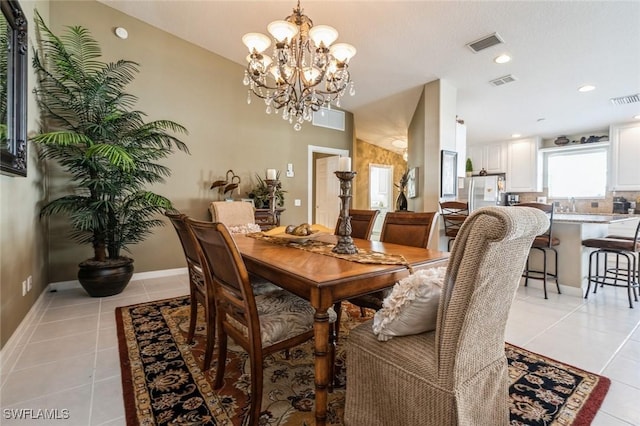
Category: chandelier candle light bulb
<point>305,71</point>
<point>271,174</point>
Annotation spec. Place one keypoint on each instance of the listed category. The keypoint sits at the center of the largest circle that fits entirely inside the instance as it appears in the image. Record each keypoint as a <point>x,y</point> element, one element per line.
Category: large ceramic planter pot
<point>101,279</point>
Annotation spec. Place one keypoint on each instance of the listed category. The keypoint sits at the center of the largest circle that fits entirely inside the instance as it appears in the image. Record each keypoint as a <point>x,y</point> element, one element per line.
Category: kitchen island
<point>573,259</point>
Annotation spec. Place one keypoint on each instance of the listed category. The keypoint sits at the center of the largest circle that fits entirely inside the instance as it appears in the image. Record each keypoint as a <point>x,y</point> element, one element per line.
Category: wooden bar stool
<point>454,213</point>
<point>545,243</point>
<point>621,271</point>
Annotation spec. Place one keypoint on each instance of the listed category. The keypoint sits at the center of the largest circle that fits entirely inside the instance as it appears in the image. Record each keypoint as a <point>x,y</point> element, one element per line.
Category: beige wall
<point>180,82</point>
<point>22,237</point>
<point>204,92</point>
<point>365,154</point>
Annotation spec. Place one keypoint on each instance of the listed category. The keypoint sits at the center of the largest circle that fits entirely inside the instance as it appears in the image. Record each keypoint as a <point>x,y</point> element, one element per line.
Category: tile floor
<point>68,356</point>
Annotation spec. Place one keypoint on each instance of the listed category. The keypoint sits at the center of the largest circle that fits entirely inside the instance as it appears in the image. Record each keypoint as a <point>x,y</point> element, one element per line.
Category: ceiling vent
<point>503,80</point>
<point>485,42</point>
<point>623,100</point>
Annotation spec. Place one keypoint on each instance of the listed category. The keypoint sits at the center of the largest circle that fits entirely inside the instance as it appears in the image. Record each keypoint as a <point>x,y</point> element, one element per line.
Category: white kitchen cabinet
<point>624,161</point>
<point>491,157</point>
<point>524,165</point>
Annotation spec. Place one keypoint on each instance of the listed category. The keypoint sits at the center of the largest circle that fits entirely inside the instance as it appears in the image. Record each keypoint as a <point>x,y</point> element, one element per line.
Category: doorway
<point>323,201</point>
<point>380,194</point>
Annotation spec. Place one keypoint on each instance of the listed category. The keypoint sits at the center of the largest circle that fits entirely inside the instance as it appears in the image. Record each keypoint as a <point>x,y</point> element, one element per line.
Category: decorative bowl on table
<point>297,238</point>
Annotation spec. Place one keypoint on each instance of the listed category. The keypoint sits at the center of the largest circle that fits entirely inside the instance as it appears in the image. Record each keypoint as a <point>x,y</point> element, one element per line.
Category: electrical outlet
<point>594,204</point>
<point>29,282</point>
<point>24,287</point>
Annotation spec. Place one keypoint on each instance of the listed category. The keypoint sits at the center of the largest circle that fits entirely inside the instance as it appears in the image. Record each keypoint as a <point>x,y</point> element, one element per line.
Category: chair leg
<point>555,258</point>
<point>193,318</point>
<point>334,335</point>
<point>526,272</point>
<point>222,356</point>
<point>211,337</point>
<point>256,388</point>
<point>544,272</point>
<point>586,293</point>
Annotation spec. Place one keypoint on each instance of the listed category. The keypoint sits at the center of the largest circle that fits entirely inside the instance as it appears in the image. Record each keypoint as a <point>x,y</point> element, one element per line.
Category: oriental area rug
<point>163,383</point>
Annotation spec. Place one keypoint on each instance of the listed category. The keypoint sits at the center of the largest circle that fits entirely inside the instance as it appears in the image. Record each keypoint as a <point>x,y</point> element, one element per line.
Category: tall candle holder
<point>345,242</point>
<point>272,184</point>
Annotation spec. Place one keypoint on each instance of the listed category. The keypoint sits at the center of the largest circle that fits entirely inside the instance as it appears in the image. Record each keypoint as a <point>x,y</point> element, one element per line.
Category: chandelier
<point>305,71</point>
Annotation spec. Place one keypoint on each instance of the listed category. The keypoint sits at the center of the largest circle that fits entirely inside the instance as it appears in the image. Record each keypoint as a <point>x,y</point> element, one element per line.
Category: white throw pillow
<point>412,305</point>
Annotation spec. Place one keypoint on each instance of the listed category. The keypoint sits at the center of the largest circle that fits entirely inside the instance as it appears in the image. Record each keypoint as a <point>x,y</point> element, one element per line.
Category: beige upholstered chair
<point>457,374</point>
<point>232,213</point>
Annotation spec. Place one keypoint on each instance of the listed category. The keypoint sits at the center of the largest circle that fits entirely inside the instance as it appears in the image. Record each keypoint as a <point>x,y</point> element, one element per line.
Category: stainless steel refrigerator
<point>480,191</point>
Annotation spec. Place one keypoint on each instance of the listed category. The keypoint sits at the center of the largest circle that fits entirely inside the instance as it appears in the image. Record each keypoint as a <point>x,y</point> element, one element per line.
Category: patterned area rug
<point>164,385</point>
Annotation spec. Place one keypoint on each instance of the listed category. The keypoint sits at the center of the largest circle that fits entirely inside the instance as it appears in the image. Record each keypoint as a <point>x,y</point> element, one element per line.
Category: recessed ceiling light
<point>586,88</point>
<point>399,143</point>
<point>516,135</point>
<point>502,59</point>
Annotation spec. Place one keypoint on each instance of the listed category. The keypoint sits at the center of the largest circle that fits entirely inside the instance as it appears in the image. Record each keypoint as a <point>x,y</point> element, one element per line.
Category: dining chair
<point>234,214</point>
<point>544,243</point>
<point>261,324</point>
<point>456,374</point>
<point>362,222</point>
<point>453,213</point>
<point>405,228</point>
<point>198,290</point>
<point>622,271</point>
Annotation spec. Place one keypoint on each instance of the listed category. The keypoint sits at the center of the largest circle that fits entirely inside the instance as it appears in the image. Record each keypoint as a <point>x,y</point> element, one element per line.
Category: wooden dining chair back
<point>408,228</point>
<point>198,290</point>
<point>456,374</point>
<point>361,223</point>
<point>261,324</point>
<point>545,244</point>
<point>454,213</point>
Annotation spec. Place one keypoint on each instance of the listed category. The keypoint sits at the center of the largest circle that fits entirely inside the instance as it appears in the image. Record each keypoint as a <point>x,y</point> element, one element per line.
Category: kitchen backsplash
<point>584,205</point>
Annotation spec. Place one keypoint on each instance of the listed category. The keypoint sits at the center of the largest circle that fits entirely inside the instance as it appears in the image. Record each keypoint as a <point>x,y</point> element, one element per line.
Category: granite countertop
<point>591,217</point>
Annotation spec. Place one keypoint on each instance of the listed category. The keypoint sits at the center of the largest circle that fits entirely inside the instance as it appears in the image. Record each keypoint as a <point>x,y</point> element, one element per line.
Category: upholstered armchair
<point>456,374</point>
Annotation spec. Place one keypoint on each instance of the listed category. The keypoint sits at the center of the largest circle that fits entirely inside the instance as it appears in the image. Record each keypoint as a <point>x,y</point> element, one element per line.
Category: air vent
<point>503,80</point>
<point>485,42</point>
<point>623,100</point>
<point>329,118</point>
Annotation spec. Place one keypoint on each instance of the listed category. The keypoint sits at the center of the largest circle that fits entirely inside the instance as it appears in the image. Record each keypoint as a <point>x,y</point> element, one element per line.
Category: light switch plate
<point>297,203</point>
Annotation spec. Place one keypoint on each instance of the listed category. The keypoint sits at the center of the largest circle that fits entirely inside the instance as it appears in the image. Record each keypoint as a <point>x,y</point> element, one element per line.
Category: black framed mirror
<point>13,89</point>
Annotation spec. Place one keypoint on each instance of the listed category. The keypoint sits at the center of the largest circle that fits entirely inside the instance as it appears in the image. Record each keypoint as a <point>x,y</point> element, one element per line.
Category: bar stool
<point>622,271</point>
<point>544,243</point>
<point>454,213</point>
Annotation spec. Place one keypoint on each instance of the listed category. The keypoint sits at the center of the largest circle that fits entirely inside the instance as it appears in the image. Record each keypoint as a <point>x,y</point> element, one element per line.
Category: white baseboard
<point>66,285</point>
<point>12,344</point>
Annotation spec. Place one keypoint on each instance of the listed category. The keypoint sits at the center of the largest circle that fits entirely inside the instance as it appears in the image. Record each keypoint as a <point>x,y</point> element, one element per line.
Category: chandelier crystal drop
<point>305,70</point>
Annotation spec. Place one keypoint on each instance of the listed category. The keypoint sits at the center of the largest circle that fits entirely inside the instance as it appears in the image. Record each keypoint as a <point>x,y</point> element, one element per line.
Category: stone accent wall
<point>365,154</point>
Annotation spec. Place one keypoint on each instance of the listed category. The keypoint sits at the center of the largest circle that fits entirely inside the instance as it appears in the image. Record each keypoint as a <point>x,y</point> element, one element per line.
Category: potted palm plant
<point>110,153</point>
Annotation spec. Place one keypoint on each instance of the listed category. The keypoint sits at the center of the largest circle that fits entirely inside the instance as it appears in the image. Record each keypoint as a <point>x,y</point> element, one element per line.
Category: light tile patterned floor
<point>68,359</point>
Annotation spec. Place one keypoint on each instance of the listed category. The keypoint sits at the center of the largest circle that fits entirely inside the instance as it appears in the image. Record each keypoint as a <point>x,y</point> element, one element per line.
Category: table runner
<point>322,247</point>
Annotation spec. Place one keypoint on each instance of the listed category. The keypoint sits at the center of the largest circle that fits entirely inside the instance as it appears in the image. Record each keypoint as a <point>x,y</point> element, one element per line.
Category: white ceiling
<point>557,46</point>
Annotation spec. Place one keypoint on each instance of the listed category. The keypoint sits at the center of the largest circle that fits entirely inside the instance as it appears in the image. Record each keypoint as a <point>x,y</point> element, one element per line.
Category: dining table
<point>325,279</point>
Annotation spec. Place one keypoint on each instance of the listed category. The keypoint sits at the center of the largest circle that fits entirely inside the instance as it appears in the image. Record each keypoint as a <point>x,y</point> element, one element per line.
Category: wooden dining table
<point>324,280</point>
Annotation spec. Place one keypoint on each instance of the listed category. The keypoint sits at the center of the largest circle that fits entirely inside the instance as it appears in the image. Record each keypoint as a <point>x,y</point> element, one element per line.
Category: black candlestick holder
<point>272,184</point>
<point>345,242</point>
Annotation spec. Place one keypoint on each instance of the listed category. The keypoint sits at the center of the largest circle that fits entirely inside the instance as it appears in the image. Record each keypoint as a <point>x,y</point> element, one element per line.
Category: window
<point>577,173</point>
